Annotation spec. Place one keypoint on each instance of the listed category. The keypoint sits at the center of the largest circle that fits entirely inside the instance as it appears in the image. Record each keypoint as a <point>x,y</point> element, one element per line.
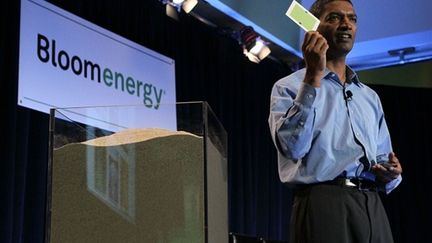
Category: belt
<point>358,183</point>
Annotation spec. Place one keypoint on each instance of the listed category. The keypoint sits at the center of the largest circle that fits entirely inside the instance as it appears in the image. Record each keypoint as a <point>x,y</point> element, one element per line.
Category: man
<point>332,139</point>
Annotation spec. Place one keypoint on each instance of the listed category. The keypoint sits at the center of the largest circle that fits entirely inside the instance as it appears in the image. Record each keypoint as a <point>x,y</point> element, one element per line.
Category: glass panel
<point>217,178</point>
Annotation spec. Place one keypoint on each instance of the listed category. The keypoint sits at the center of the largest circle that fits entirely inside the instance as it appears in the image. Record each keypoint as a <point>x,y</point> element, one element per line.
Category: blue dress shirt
<point>322,133</point>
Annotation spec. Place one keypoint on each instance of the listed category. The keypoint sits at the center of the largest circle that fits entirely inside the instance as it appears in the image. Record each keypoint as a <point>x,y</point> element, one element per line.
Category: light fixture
<point>401,53</point>
<point>254,47</point>
<point>173,7</point>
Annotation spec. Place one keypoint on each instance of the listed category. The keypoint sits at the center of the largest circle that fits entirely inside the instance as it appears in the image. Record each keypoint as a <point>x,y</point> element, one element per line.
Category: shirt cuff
<point>306,95</point>
<point>393,184</point>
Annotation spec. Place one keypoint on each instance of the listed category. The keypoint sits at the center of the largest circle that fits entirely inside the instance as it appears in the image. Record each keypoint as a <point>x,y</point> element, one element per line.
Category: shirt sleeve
<point>291,120</point>
<point>393,184</point>
<point>384,147</point>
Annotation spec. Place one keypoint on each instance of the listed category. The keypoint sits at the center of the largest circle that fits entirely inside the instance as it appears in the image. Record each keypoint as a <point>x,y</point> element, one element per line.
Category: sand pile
<point>138,185</point>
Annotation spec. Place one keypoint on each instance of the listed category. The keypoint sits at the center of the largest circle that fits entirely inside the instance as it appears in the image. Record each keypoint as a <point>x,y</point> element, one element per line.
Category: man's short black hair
<point>317,7</point>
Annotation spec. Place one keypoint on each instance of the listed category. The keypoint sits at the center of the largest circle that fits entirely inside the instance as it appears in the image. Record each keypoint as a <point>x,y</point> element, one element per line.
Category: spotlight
<point>174,6</point>
<point>401,53</point>
<point>188,5</point>
<point>254,47</point>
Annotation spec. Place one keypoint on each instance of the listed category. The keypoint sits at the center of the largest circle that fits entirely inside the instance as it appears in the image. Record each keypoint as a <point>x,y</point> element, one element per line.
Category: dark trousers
<point>325,213</point>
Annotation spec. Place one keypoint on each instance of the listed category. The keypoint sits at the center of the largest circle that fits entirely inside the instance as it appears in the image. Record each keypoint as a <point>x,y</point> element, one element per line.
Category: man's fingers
<point>307,38</point>
<point>386,174</point>
<point>311,40</point>
<point>393,158</point>
<point>321,44</point>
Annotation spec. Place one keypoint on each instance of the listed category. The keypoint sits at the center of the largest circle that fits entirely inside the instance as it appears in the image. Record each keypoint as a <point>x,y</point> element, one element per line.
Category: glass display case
<point>118,174</point>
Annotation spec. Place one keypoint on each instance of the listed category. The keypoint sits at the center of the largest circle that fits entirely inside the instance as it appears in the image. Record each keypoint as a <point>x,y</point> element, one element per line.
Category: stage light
<point>402,53</point>
<point>188,5</point>
<point>254,47</point>
<point>173,7</point>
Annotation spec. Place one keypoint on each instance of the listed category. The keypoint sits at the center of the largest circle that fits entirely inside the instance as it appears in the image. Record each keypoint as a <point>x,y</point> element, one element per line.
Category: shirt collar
<point>351,75</point>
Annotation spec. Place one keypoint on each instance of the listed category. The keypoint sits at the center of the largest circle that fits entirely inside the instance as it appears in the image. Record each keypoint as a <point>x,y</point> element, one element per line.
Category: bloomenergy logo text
<point>47,53</point>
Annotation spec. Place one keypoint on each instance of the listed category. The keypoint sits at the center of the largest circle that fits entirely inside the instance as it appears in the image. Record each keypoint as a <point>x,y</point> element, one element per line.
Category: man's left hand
<point>388,173</point>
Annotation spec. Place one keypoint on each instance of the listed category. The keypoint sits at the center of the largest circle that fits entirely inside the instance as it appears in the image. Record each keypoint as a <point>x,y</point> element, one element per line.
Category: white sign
<point>66,61</point>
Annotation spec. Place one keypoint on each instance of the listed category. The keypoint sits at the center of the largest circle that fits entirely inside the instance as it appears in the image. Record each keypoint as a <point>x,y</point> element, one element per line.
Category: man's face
<point>338,25</point>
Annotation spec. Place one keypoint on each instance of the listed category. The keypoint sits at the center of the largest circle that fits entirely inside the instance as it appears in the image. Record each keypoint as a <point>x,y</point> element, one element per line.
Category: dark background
<point>209,67</point>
